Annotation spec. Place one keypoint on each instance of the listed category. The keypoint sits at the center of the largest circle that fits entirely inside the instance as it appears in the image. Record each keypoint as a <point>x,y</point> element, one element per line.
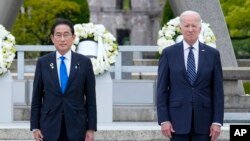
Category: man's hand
<point>167,129</point>
<point>38,135</point>
<point>89,135</point>
<point>214,132</point>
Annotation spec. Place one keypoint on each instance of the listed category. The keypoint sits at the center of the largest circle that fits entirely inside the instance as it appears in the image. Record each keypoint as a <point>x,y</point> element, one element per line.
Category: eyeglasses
<point>65,36</point>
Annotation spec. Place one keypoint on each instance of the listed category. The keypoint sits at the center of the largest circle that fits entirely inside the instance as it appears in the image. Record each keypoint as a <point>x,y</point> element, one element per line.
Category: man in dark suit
<point>190,96</point>
<point>64,99</point>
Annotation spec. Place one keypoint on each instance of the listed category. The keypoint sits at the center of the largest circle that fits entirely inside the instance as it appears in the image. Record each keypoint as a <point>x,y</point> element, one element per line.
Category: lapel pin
<point>52,65</point>
<point>77,66</point>
<point>202,50</point>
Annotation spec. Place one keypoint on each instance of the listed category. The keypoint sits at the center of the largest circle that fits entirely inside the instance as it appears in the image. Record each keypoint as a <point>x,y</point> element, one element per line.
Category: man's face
<point>62,38</point>
<point>190,28</point>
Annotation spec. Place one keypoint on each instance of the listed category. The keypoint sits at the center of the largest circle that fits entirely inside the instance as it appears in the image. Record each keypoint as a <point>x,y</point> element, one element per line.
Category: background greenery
<point>33,22</point>
<point>167,13</point>
<point>35,18</point>
<point>237,16</point>
<point>238,21</point>
<point>246,85</point>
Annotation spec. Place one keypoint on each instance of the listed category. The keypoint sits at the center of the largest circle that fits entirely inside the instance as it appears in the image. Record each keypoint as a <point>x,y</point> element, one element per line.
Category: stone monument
<point>104,85</point>
<point>6,105</point>
<point>104,98</point>
<point>8,12</point>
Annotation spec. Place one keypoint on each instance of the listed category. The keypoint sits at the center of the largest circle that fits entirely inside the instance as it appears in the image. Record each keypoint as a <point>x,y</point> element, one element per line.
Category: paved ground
<point>124,131</point>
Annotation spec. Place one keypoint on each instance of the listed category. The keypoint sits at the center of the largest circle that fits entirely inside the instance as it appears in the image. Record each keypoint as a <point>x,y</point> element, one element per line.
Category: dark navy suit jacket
<point>177,98</point>
<point>78,103</point>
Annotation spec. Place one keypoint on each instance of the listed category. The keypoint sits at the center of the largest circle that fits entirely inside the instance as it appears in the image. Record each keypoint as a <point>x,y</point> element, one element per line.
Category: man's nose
<point>62,38</point>
<point>190,28</point>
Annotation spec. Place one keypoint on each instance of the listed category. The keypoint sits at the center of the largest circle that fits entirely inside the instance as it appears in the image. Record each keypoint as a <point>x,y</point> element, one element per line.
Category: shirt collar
<point>66,55</point>
<point>195,45</point>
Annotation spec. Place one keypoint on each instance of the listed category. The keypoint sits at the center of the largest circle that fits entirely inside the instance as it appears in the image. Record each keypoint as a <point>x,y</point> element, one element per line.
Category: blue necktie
<point>63,75</point>
<point>191,66</point>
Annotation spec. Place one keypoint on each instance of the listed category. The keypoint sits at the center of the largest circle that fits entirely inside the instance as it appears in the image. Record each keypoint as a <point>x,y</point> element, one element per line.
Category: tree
<point>237,17</point>
<point>83,16</point>
<point>167,13</point>
<point>36,17</point>
<point>238,20</point>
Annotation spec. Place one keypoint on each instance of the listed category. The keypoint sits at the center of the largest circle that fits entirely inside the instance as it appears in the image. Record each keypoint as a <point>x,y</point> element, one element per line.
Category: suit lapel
<point>53,70</point>
<point>201,61</point>
<point>73,70</point>
<point>182,60</point>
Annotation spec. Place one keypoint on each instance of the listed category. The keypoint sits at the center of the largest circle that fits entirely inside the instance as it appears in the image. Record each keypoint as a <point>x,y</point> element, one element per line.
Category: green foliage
<point>83,16</point>
<point>241,48</point>
<point>228,4</point>
<point>247,87</point>
<point>36,17</point>
<point>167,13</point>
<point>239,20</point>
<point>237,16</point>
<point>126,5</point>
<point>34,23</point>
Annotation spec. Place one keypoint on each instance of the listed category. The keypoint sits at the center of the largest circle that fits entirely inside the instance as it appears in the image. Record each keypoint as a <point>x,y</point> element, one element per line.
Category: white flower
<point>170,34</point>
<point>97,32</point>
<point>7,50</point>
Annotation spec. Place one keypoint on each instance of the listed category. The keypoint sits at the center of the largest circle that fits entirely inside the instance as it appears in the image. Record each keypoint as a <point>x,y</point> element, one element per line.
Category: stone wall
<point>142,20</point>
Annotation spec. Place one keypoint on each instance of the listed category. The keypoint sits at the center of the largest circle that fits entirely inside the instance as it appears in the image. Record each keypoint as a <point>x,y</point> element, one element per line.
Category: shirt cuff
<point>216,123</point>
<point>165,122</point>
<point>33,130</point>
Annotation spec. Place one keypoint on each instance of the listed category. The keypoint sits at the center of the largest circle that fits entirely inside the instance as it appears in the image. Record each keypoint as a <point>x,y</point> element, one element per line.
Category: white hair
<point>190,12</point>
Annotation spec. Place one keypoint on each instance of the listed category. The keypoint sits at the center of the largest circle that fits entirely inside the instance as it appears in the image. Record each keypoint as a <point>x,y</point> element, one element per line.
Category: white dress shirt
<point>67,62</point>
<point>195,51</point>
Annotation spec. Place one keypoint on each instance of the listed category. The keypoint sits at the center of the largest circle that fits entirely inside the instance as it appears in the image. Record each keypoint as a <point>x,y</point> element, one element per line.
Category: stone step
<point>136,113</point>
<point>120,113</point>
<point>115,131</point>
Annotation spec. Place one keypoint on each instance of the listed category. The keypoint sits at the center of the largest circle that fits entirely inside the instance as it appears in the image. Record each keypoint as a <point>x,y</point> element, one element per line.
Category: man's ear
<point>52,38</point>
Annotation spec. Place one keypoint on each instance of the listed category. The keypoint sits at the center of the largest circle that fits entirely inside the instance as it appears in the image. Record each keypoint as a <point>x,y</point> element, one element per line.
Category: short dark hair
<point>61,21</point>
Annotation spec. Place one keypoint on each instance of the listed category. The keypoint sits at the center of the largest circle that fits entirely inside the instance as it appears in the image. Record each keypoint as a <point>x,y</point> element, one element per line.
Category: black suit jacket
<point>177,98</point>
<point>78,103</point>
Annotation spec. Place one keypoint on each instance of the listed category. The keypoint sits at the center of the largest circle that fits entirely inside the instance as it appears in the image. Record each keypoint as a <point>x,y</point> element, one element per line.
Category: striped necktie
<point>63,74</point>
<point>191,71</point>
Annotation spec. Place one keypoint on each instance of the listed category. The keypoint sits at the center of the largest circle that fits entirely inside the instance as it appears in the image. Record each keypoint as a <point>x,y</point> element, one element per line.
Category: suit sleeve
<point>163,89</point>
<point>37,96</point>
<point>91,97</point>
<point>218,92</point>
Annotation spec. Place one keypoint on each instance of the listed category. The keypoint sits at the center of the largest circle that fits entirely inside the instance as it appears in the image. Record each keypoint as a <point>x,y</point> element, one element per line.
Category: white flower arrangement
<point>107,45</point>
<point>170,34</point>
<point>7,50</point>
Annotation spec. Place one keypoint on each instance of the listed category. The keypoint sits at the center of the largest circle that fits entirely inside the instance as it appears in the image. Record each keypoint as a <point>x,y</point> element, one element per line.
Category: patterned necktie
<point>191,71</point>
<point>63,75</point>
